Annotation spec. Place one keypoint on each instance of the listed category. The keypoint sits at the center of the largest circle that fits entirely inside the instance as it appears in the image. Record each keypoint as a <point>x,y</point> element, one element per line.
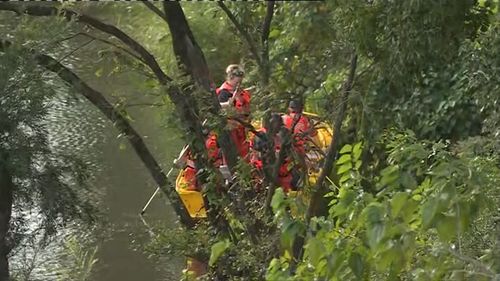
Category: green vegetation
<point>413,87</point>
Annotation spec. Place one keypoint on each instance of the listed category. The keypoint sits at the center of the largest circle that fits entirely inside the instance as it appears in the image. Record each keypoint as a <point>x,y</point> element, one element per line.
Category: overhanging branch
<point>242,31</point>
<point>119,121</point>
<point>155,9</point>
<point>41,10</point>
<point>183,102</point>
<point>332,149</point>
<point>127,51</point>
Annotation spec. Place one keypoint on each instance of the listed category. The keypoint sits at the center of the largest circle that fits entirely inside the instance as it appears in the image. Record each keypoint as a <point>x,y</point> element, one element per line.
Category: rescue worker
<point>288,178</point>
<point>190,170</point>
<point>213,150</point>
<point>299,125</point>
<point>189,177</point>
<point>234,98</point>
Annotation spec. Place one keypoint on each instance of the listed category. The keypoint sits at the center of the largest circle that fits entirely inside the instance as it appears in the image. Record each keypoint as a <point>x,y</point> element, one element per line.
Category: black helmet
<point>295,105</point>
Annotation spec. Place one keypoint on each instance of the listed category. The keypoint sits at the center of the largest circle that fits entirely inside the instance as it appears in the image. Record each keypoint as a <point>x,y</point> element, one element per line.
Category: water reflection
<point>124,186</point>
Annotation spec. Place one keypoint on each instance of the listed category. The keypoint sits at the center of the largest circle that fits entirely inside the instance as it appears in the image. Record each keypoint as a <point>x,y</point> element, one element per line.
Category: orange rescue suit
<point>301,129</point>
<point>241,103</point>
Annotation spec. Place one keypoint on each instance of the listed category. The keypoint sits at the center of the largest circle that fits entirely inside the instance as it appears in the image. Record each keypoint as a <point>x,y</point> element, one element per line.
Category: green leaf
<point>391,257</point>
<point>408,181</point>
<point>358,164</point>
<point>397,202</point>
<point>346,148</point>
<point>373,213</point>
<point>274,33</point>
<point>429,210</point>
<point>344,168</point>
<point>446,227</point>
<point>289,233</point>
<point>356,151</point>
<point>315,250</point>
<point>375,233</point>
<point>344,178</point>
<point>344,158</point>
<point>278,199</point>
<point>389,175</point>
<point>409,212</point>
<point>217,250</point>
<point>356,265</point>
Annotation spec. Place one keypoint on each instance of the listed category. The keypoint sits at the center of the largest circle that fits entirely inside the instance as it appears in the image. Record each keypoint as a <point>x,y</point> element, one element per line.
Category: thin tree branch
<point>266,25</point>
<point>105,42</point>
<point>39,10</point>
<point>145,104</point>
<point>68,38</point>
<point>242,31</point>
<point>265,67</point>
<point>332,150</point>
<point>155,9</point>
<point>483,267</point>
<point>114,45</point>
<point>76,49</point>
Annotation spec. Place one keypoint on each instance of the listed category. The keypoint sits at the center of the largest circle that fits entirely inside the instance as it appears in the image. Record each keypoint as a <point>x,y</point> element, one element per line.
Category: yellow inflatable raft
<point>315,151</point>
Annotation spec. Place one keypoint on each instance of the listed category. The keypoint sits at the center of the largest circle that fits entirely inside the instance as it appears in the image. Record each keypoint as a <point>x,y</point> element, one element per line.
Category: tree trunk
<point>192,61</point>
<point>319,189</point>
<point>6,189</point>
<point>332,150</point>
<point>265,67</point>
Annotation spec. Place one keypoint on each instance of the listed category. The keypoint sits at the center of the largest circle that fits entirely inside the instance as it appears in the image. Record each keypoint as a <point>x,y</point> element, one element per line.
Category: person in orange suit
<point>236,99</point>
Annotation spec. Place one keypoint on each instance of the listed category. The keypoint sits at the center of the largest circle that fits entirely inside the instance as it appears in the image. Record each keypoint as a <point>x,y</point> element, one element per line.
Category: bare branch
<point>68,38</point>
<point>105,42</point>
<point>155,9</point>
<point>242,30</point>
<point>144,104</point>
<point>40,10</point>
<point>114,45</point>
<point>483,267</point>
<point>76,49</point>
<point>264,56</point>
<point>266,25</point>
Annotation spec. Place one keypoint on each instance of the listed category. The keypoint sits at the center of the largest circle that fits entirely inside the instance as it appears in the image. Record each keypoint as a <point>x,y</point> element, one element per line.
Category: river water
<point>123,185</point>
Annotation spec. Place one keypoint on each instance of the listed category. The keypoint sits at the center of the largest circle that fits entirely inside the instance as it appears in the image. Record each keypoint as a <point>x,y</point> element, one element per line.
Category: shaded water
<point>124,186</point>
